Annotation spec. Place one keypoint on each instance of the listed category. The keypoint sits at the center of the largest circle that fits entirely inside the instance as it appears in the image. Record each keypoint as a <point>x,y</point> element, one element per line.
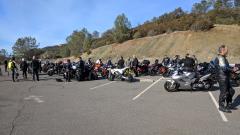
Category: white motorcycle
<point>120,74</point>
<point>188,80</point>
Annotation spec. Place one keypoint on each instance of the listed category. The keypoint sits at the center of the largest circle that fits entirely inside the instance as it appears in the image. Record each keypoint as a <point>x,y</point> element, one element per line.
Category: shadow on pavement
<point>214,88</point>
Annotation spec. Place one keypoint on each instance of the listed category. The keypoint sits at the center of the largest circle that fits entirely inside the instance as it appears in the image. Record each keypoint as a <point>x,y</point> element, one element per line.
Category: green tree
<point>23,45</point>
<point>75,41</point>
<point>122,28</point>
<point>202,7</point>
<point>65,51</point>
<point>3,52</point>
<point>95,34</point>
<point>221,4</point>
<point>87,42</point>
<point>227,3</point>
<point>237,3</point>
<point>218,4</point>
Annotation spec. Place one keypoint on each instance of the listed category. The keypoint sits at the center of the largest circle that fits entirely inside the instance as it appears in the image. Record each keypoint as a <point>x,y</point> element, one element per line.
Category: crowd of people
<point>11,67</point>
<point>188,63</point>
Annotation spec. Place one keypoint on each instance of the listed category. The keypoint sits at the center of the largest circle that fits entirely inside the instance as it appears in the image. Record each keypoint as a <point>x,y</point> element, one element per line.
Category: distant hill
<point>202,44</point>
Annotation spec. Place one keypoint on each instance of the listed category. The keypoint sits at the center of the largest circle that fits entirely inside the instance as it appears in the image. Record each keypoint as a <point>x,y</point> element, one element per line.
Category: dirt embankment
<point>202,44</point>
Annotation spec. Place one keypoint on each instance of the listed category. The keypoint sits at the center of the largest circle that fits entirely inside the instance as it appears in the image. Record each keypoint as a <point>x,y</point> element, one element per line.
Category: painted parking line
<point>102,85</point>
<point>145,90</point>
<point>224,118</point>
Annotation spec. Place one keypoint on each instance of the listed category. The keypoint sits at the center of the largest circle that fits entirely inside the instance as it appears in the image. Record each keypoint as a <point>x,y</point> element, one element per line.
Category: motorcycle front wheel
<point>111,76</point>
<point>130,78</point>
<point>168,86</point>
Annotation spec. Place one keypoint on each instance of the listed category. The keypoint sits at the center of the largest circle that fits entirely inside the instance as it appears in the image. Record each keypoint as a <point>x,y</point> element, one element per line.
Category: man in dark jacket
<point>121,63</point>
<point>109,62</point>
<point>68,70</point>
<point>166,60</point>
<point>188,63</point>
<point>224,70</point>
<point>177,61</point>
<point>81,66</point>
<point>24,67</point>
<point>5,65</point>
<point>35,68</point>
<point>135,65</point>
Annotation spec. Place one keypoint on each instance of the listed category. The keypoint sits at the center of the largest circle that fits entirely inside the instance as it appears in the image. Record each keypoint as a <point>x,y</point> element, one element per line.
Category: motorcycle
<point>143,68</point>
<point>51,70</point>
<point>85,74</point>
<point>190,80</point>
<point>235,76</point>
<point>168,70</point>
<point>121,74</point>
<point>101,71</point>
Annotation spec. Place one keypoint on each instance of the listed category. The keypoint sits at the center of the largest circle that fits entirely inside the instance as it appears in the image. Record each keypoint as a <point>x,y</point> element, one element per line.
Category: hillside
<point>202,44</point>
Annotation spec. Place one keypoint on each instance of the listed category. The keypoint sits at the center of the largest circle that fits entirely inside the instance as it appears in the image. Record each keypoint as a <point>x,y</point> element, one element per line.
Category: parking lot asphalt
<point>102,107</point>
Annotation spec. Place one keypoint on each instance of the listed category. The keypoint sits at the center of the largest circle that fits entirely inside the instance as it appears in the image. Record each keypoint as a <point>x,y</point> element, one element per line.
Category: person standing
<point>5,65</point>
<point>121,63</point>
<point>81,67</point>
<point>13,68</point>
<point>129,62</point>
<point>224,70</point>
<point>35,68</point>
<point>188,63</point>
<point>109,62</point>
<point>24,67</point>
<point>135,64</point>
<point>166,61</point>
<point>68,71</point>
<point>40,65</point>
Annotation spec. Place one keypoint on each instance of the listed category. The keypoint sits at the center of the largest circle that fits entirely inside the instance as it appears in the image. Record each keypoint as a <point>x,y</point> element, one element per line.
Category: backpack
<point>10,65</point>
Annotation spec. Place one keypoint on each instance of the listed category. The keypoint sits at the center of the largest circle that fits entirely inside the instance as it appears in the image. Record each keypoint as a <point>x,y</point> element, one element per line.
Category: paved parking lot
<point>110,108</point>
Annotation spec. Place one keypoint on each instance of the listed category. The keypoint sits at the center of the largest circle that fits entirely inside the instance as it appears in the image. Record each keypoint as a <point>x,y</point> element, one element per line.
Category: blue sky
<point>51,21</point>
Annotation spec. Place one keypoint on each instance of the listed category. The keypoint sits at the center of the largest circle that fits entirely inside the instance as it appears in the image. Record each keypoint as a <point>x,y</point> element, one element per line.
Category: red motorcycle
<point>101,70</point>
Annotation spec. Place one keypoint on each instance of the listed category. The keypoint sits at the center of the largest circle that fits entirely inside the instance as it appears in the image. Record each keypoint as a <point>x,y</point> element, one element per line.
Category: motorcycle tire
<point>238,82</point>
<point>50,73</point>
<point>208,87</point>
<point>111,77</point>
<point>167,86</point>
<point>79,77</point>
<point>130,78</point>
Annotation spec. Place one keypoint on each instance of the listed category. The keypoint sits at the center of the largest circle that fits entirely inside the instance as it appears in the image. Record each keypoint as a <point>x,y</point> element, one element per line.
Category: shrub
<point>137,35</point>
<point>202,25</point>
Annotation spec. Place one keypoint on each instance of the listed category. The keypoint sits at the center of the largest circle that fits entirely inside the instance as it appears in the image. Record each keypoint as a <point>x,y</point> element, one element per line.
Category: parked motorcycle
<point>190,80</point>
<point>143,68</point>
<point>235,76</point>
<point>85,74</point>
<point>101,71</point>
<point>121,74</point>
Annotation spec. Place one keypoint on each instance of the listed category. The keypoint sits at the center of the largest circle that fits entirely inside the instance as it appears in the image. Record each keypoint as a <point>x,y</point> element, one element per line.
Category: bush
<point>202,25</point>
<point>152,33</point>
<point>137,35</point>
<point>89,52</point>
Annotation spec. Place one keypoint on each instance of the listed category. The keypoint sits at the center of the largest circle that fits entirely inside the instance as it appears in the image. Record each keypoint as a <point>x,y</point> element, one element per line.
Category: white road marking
<point>150,86</point>
<point>35,98</point>
<point>145,80</point>
<point>224,118</point>
<point>101,85</point>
